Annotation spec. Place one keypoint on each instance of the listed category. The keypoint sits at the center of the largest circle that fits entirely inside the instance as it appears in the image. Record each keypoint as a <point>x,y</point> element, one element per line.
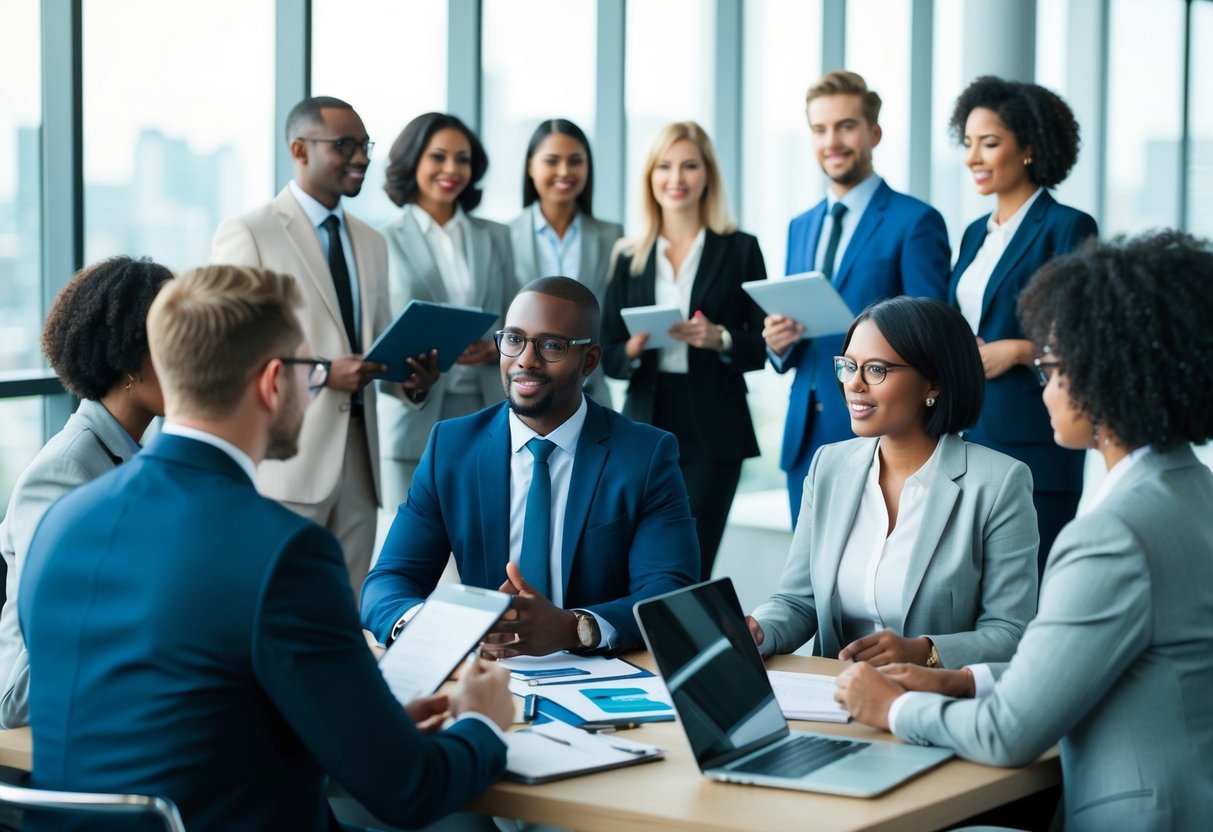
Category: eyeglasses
<point>551,348</point>
<point>317,375</point>
<point>871,373</point>
<point>1044,370</point>
<point>345,146</point>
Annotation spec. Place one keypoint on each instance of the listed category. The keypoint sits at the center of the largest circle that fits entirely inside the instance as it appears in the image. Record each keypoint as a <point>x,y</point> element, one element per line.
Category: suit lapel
<point>711,264</point>
<point>591,245</point>
<point>1027,233</point>
<point>493,471</point>
<point>936,511</point>
<point>583,484</point>
<point>812,235</point>
<point>421,260</point>
<point>872,217</point>
<point>298,229</point>
<point>847,490</point>
<point>527,258</point>
<point>480,246</point>
<point>970,244</point>
<point>356,231</point>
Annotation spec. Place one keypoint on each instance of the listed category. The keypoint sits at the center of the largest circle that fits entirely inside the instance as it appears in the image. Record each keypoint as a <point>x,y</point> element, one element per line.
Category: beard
<point>531,410</point>
<point>284,430</point>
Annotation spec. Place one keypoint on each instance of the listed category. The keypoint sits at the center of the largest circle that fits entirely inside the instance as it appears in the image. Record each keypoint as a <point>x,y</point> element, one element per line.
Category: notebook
<point>725,704</point>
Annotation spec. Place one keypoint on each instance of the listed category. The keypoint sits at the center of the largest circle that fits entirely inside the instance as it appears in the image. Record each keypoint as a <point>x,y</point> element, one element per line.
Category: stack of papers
<point>554,751</point>
<point>806,696</point>
<point>639,699</point>
<point>566,668</point>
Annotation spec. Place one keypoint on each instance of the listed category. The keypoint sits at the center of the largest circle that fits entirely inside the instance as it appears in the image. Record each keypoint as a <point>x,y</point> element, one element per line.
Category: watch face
<point>585,629</point>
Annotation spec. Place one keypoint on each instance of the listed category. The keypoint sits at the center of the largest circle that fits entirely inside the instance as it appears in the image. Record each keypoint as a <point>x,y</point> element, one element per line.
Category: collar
<point>566,436</point>
<point>1115,475</point>
<point>1009,227</point>
<point>696,245</point>
<point>316,213</point>
<point>238,456</point>
<point>109,430</point>
<point>923,477</point>
<point>427,222</point>
<point>541,222</point>
<point>857,198</point>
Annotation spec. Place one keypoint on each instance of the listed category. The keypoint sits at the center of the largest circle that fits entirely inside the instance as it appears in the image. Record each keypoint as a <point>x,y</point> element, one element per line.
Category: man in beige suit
<point>341,265</point>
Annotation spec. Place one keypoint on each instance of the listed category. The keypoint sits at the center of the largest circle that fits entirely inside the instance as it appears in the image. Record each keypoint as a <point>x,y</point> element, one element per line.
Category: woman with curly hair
<point>95,339</point>
<point>1020,141</point>
<point>1115,666</point>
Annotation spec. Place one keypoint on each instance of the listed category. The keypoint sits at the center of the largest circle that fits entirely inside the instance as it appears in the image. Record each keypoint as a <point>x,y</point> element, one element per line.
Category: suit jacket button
<point>818,406</point>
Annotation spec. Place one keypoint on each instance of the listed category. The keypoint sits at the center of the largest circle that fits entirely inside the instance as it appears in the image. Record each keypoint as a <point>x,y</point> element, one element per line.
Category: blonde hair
<point>713,207</point>
<point>212,328</point>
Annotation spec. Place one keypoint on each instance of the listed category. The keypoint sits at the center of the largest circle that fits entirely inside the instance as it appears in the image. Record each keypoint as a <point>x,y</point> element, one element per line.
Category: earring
<point>930,401</point>
<point>1026,162</point>
<point>130,379</point>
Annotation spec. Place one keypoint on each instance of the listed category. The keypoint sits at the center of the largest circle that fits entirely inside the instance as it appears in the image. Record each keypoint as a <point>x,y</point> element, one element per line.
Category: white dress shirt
<point>560,470</point>
<point>856,200</point>
<point>556,256</point>
<point>674,289</point>
<point>872,572</point>
<point>317,214</point>
<point>971,288</point>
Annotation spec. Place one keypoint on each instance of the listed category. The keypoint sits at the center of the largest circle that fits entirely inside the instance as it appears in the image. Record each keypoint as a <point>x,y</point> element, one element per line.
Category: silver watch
<point>588,632</point>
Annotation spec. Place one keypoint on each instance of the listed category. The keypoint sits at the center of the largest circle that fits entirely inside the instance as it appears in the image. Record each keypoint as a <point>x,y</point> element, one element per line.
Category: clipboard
<point>423,326</point>
<point>556,751</point>
<point>808,298</point>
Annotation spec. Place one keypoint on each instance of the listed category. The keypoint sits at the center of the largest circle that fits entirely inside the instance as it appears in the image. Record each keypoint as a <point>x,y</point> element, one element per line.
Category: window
<point>878,48</point>
<point>554,78</point>
<point>1200,129</point>
<point>388,59</point>
<point>952,191</point>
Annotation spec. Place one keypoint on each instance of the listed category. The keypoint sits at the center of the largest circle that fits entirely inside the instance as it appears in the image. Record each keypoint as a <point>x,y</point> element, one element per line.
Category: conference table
<point>671,794</point>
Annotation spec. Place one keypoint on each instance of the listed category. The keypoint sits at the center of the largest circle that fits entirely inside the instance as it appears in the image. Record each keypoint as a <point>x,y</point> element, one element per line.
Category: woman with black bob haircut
<point>438,252</point>
<point>912,545</point>
<point>95,339</point>
<point>1115,665</point>
<point>1020,140</point>
<point>557,233</point>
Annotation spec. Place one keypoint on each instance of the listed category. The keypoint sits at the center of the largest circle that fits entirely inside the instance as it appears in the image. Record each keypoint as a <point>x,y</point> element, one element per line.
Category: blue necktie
<point>535,562</point>
<point>827,262</point>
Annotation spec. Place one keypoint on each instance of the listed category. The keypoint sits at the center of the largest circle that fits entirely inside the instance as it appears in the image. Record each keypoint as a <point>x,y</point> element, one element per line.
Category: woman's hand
<point>634,348</point>
<point>887,647</point>
<point>698,332</point>
<point>956,683</point>
<point>999,356</point>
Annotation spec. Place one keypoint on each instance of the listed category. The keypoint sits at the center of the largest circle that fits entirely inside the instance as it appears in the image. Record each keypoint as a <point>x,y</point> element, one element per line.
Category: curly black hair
<point>1129,322</point>
<point>1038,118</point>
<point>405,156</point>
<point>96,331</point>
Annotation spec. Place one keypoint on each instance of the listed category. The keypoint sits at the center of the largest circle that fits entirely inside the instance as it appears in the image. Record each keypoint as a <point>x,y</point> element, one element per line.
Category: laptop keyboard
<point>800,756</point>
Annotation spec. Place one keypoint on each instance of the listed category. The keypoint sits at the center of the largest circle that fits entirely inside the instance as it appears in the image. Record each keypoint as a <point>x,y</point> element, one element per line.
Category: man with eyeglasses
<point>573,508</point>
<point>341,264</point>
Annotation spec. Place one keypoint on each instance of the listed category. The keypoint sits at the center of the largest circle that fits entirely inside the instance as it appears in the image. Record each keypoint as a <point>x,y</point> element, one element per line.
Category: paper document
<point>806,696</point>
<point>641,698</point>
<point>655,320</point>
<point>569,668</point>
<point>808,298</point>
<point>554,751</point>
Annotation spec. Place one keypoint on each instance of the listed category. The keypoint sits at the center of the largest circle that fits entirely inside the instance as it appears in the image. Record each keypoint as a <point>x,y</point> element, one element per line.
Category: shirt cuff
<point>479,717</point>
<point>608,636</point>
<point>408,616</point>
<point>896,707</point>
<point>983,680</point>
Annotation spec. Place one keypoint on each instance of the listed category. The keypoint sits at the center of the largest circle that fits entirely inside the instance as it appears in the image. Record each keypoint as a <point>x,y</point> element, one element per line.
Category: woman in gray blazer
<point>1116,665</point>
<point>912,545</point>
<point>557,233</point>
<point>438,252</point>
<point>95,338</point>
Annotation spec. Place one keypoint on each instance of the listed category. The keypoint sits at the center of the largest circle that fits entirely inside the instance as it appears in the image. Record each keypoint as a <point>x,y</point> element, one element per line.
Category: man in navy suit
<point>869,240</point>
<point>191,639</point>
<point>577,510</point>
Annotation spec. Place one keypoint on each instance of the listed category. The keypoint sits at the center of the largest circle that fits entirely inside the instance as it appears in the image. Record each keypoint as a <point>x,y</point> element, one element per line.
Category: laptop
<point>711,666</point>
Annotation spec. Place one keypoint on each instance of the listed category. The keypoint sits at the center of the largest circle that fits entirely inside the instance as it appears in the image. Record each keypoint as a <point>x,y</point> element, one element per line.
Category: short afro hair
<point>566,288</point>
<point>1038,118</point>
<point>1129,321</point>
<point>96,332</point>
<point>405,156</point>
<point>935,340</point>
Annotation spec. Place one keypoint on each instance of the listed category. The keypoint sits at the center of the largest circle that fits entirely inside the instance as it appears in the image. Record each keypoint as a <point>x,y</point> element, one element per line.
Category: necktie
<point>341,279</point>
<point>535,561</point>
<point>827,264</point>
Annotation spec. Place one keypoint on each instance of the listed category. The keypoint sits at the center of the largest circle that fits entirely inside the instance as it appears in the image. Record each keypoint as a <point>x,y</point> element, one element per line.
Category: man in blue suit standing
<point>197,641</point>
<point>869,240</point>
<point>577,510</point>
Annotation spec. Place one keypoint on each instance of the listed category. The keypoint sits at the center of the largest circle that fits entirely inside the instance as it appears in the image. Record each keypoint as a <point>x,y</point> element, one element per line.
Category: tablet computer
<point>452,623</point>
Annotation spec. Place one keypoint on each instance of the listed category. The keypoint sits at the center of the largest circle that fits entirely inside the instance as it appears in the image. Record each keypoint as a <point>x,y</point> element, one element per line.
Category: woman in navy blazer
<point>692,256</point>
<point>1020,140</point>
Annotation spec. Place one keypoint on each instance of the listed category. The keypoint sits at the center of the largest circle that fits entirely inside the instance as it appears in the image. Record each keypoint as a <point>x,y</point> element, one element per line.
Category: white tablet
<point>655,320</point>
<point>808,298</point>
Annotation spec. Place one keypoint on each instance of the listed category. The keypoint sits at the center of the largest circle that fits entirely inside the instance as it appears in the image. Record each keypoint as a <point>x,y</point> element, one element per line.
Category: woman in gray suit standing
<point>1116,665</point>
<point>557,233</point>
<point>912,545</point>
<point>438,252</point>
<point>95,339</point>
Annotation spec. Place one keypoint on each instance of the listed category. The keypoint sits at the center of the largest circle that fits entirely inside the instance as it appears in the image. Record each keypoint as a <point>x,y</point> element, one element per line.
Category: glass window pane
<point>669,78</point>
<point>1144,115</point>
<point>878,48</point>
<point>387,58</point>
<point>780,179</point>
<point>952,190</point>
<point>19,441</point>
<point>178,120</point>
<point>522,87</point>
<point>1200,128</point>
<point>20,190</point>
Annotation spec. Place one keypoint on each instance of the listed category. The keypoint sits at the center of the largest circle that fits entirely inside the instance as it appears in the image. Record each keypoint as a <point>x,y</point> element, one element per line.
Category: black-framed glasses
<point>345,146</point>
<point>872,372</point>
<point>550,348</point>
<point>317,374</point>
<point>1045,369</point>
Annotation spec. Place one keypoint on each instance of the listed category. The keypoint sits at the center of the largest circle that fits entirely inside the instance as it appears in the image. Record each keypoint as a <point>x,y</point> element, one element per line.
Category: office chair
<point>82,802</point>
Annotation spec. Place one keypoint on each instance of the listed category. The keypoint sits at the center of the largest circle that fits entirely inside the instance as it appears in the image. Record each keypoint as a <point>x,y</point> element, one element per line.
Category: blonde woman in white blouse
<point>912,545</point>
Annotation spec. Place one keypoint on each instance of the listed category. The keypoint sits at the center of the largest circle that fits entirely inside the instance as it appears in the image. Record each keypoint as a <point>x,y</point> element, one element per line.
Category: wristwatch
<point>588,632</point>
<point>933,656</point>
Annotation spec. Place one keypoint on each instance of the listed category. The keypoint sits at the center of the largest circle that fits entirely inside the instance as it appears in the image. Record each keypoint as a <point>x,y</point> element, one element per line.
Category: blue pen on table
<point>550,673</point>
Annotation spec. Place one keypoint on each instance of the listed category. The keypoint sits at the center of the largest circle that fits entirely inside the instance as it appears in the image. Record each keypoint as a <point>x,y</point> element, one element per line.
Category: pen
<point>554,739</point>
<point>608,726</point>
<point>530,708</point>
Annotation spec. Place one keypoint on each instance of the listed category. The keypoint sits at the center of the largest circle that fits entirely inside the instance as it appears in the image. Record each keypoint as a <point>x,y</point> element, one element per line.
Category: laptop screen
<point>700,642</point>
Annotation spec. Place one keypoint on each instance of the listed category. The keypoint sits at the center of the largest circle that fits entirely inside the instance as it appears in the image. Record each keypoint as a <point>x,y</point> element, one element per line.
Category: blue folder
<point>421,327</point>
